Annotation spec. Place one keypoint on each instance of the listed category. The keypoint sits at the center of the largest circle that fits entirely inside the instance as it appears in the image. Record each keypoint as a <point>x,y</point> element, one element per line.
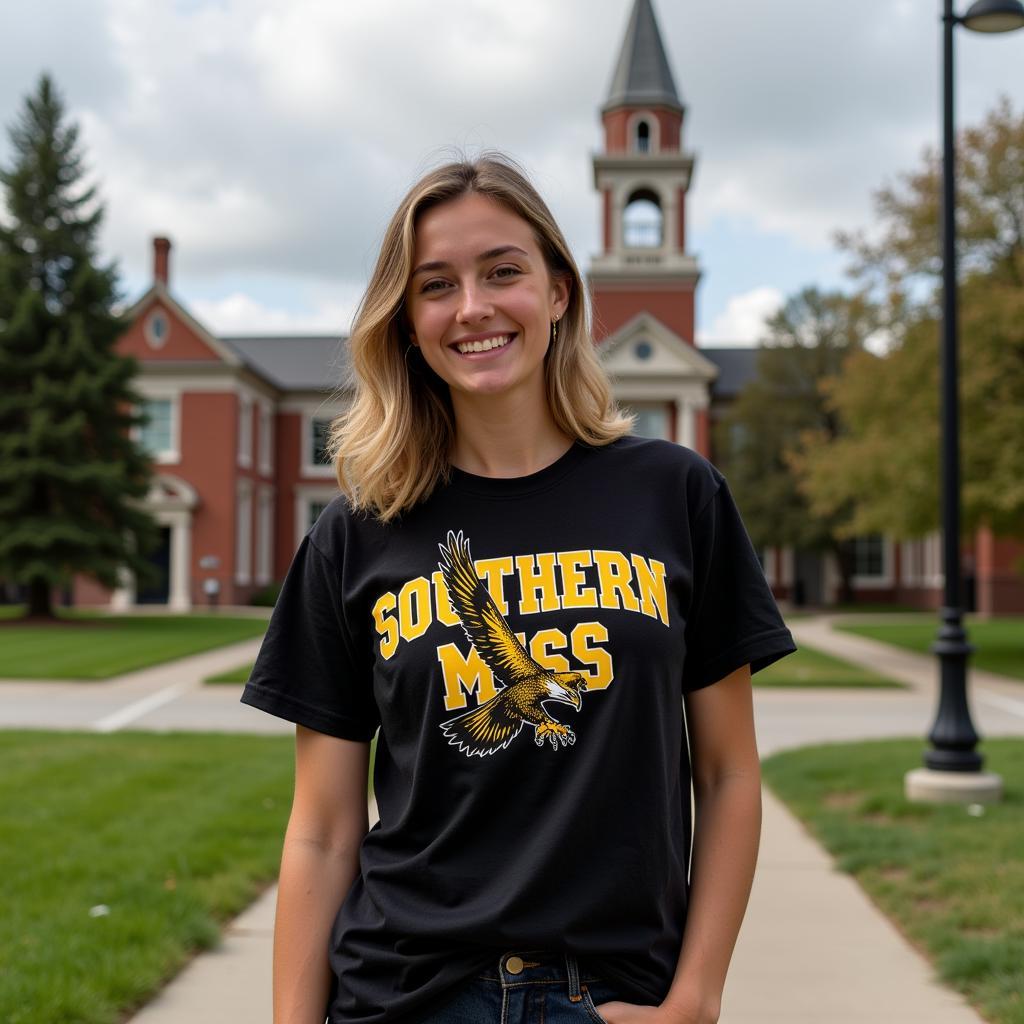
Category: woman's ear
<point>561,289</point>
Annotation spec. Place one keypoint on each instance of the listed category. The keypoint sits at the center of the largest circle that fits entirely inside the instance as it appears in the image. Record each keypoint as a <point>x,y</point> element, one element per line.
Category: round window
<point>643,350</point>
<point>157,328</point>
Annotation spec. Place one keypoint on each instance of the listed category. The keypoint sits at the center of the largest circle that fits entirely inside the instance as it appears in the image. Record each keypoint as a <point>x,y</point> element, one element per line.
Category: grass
<point>953,882</point>
<point>91,646</point>
<point>808,667</point>
<point>998,642</point>
<point>173,833</point>
<point>235,675</point>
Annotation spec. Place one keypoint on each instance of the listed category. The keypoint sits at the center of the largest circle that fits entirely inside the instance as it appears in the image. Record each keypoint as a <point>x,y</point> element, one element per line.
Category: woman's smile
<point>487,348</point>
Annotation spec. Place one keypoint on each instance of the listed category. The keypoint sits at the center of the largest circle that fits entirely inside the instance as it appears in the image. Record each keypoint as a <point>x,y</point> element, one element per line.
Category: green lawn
<point>998,642</point>
<point>91,646</point>
<point>952,881</point>
<point>173,833</point>
<point>235,675</point>
<point>808,667</point>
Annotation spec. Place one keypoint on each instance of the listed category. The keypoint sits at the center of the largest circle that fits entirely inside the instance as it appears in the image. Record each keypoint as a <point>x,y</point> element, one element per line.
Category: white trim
<point>933,576</point>
<point>155,391</point>
<point>245,407</point>
<point>265,441</point>
<point>265,534</point>
<point>243,531</point>
<point>882,579</point>
<point>653,126</point>
<point>771,559</point>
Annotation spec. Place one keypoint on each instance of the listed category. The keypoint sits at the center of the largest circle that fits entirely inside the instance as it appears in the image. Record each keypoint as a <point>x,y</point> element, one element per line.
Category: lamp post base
<point>922,785</point>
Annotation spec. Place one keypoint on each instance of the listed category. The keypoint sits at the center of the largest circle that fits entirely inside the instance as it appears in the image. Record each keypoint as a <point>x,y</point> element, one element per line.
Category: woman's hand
<point>616,1012</point>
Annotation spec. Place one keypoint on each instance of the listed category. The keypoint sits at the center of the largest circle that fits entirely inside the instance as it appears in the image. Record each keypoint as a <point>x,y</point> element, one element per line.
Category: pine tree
<point>71,479</point>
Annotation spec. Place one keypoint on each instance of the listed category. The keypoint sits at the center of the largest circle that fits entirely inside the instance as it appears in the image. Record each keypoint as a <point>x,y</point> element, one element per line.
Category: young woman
<point>551,622</point>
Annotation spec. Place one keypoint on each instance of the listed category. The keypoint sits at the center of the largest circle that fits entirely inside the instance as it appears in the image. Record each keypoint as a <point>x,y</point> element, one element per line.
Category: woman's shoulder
<point>666,461</point>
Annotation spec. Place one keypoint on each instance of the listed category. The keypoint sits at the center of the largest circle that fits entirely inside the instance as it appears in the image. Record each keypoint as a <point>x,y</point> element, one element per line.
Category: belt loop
<point>573,971</point>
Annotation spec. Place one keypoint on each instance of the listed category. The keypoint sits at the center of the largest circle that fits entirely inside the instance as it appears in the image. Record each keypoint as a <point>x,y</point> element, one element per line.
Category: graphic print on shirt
<point>494,724</point>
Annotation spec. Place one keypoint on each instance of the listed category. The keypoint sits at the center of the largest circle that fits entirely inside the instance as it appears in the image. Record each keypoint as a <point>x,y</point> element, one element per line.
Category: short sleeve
<point>307,671</point>
<point>733,616</point>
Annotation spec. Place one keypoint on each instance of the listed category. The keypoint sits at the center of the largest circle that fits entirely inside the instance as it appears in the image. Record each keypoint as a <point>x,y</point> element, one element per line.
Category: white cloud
<point>742,322</point>
<point>243,314</point>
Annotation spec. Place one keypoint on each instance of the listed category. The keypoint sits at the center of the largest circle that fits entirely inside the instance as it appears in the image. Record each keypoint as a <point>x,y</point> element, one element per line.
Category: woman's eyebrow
<point>501,250</point>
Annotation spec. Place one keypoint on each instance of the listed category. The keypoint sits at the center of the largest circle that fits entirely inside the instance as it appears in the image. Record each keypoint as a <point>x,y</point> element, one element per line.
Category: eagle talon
<point>556,732</point>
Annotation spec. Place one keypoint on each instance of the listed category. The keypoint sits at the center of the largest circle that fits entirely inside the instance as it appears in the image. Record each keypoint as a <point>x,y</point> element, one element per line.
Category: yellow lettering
<point>386,625</point>
<point>613,575</point>
<point>464,675</point>
<point>602,671</point>
<point>544,639</point>
<point>574,594</point>
<point>537,574</point>
<point>650,577</point>
<point>443,602</point>
<point>414,608</point>
<point>495,570</point>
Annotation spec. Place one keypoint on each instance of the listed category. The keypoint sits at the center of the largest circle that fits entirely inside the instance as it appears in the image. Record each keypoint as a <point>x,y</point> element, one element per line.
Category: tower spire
<point>642,76</point>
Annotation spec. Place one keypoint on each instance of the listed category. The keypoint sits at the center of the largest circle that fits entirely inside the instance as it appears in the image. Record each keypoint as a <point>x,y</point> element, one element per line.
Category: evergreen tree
<point>71,480</point>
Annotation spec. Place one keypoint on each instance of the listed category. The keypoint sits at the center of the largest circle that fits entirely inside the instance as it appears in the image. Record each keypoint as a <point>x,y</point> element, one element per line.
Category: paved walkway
<point>813,948</point>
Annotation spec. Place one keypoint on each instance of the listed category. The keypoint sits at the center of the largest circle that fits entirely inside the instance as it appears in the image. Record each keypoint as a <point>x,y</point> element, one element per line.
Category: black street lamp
<point>953,738</point>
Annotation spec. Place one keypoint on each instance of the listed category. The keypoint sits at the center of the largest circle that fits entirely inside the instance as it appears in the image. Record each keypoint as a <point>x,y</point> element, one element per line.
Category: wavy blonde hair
<point>391,446</point>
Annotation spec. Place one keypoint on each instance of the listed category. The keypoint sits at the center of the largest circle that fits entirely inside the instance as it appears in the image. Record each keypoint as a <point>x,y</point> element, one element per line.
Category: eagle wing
<point>487,630</point>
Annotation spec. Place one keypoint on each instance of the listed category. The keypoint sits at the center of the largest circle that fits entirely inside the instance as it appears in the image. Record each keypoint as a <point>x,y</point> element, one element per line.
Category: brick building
<point>238,424</point>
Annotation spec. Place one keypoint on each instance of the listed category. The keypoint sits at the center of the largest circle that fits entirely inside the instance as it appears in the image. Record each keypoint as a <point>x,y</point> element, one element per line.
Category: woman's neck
<point>500,436</point>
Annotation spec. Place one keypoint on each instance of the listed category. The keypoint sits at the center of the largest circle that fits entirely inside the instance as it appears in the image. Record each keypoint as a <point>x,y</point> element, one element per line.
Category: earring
<point>554,330</point>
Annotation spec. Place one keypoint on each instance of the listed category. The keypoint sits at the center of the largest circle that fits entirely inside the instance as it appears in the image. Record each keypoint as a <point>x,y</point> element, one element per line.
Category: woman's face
<point>478,276</point>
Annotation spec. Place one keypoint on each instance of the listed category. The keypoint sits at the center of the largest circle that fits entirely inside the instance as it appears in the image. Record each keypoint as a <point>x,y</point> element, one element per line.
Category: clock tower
<point>643,282</point>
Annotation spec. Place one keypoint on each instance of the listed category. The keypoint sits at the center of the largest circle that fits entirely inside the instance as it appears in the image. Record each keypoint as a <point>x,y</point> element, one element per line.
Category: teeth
<point>486,345</point>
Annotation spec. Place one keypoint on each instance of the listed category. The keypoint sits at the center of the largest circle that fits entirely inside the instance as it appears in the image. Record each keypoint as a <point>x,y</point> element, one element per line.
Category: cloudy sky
<point>271,140</point>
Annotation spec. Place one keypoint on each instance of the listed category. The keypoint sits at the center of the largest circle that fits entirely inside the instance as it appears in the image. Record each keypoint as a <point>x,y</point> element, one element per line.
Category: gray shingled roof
<point>736,366</point>
<point>318,363</point>
<point>642,75</point>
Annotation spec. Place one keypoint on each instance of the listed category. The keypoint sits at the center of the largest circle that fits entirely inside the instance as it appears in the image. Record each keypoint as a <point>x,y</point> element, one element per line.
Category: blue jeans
<point>528,987</point>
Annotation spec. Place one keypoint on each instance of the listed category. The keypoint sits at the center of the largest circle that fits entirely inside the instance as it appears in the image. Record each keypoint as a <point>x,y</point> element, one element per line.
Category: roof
<point>296,363</point>
<point>736,367</point>
<point>642,75</point>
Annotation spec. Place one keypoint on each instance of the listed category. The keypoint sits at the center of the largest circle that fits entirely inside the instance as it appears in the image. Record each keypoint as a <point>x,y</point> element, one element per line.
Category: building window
<point>315,508</point>
<point>643,137</point>
<point>318,442</point>
<point>642,220</point>
<point>156,436</point>
<point>643,350</point>
<point>869,556</point>
<point>245,431</point>
<point>157,329</point>
<point>243,533</point>
<point>266,439</point>
<point>652,418</point>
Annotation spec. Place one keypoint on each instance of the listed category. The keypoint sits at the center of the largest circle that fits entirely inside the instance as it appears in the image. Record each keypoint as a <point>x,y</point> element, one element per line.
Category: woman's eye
<point>502,270</point>
<point>430,286</point>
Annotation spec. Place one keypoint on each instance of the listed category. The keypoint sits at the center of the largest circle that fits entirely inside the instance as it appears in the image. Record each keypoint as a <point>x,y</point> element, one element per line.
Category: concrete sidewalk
<point>812,949</point>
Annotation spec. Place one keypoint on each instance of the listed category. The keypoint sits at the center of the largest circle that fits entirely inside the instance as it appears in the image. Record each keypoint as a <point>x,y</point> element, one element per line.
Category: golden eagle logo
<point>496,723</point>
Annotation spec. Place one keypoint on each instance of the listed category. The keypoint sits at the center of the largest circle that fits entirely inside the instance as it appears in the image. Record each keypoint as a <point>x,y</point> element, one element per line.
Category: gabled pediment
<point>644,346</point>
<point>180,336</point>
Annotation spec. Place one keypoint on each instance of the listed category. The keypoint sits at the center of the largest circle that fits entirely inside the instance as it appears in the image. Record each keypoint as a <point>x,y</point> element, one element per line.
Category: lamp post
<point>952,769</point>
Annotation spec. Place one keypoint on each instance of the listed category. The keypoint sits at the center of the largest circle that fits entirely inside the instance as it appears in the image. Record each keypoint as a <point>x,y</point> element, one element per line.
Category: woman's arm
<point>727,830</point>
<point>319,862</point>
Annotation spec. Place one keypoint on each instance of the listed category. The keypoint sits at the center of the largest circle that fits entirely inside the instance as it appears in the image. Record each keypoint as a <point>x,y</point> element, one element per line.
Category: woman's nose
<point>473,304</point>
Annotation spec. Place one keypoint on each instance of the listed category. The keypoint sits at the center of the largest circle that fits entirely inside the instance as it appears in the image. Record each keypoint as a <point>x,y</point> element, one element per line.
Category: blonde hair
<point>391,446</point>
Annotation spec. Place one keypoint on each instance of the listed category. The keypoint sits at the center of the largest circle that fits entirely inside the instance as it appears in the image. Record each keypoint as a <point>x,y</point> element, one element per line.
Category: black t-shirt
<point>523,646</point>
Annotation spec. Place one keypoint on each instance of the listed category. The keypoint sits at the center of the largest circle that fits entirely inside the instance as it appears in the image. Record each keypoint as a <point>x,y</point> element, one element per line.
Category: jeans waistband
<point>519,967</point>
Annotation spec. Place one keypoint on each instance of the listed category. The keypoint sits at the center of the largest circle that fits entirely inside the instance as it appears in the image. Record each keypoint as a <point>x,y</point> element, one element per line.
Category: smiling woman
<point>532,770</point>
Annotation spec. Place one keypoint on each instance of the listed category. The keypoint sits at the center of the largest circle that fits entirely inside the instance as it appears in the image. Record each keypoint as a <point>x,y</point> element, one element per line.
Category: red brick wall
<point>672,304</point>
<point>616,126</point>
